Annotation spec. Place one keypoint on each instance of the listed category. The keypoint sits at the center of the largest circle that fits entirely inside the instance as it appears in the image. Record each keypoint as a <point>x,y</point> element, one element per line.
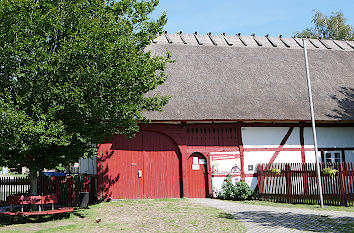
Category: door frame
<point>206,172</point>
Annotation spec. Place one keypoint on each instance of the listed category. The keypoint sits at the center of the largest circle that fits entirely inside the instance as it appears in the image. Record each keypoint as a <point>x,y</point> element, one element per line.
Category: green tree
<point>73,72</point>
<point>328,27</point>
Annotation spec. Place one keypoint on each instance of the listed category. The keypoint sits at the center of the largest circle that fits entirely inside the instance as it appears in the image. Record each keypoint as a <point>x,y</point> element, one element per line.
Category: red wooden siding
<point>212,138</point>
<point>198,178</point>
<point>151,154</point>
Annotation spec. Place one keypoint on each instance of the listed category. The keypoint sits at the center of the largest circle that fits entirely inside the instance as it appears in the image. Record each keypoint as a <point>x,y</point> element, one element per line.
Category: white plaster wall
<point>269,137</point>
<point>88,166</point>
<point>349,156</point>
<point>288,157</point>
<point>255,157</point>
<point>331,137</point>
<point>310,157</point>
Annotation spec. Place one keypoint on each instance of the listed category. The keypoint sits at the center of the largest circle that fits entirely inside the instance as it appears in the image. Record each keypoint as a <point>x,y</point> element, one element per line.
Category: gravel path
<point>261,219</point>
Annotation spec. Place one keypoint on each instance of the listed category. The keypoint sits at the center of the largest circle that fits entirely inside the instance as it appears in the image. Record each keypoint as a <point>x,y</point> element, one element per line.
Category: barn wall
<point>254,143</point>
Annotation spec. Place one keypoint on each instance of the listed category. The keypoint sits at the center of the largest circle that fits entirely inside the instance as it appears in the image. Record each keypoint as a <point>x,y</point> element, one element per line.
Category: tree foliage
<point>73,72</point>
<point>328,27</point>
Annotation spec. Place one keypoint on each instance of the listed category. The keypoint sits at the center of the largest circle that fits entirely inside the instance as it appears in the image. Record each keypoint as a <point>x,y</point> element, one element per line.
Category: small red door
<point>197,176</point>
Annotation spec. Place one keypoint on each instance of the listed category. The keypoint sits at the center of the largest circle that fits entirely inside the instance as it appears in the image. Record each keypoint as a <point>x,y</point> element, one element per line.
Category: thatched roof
<point>254,78</point>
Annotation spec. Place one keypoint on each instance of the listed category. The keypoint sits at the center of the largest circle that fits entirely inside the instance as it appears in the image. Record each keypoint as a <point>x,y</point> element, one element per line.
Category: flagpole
<point>319,183</point>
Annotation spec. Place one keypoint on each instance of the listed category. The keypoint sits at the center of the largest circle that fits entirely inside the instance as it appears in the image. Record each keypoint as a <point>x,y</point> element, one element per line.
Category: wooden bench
<point>34,200</point>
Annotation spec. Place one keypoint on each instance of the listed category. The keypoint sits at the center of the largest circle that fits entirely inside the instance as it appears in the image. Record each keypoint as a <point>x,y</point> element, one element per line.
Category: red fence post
<point>341,179</point>
<point>260,179</point>
<point>288,183</point>
<point>304,177</point>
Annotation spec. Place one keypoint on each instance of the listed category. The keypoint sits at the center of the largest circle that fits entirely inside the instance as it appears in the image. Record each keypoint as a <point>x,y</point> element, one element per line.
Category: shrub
<point>227,191</point>
<point>243,191</point>
<point>238,191</point>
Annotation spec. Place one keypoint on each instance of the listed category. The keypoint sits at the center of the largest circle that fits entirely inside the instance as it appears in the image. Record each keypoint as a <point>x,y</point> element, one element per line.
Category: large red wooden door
<point>125,162</point>
<point>197,176</point>
<point>161,167</point>
<point>146,166</point>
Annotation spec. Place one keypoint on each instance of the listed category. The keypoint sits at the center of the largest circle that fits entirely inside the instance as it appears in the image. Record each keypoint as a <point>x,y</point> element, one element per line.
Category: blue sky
<point>247,16</point>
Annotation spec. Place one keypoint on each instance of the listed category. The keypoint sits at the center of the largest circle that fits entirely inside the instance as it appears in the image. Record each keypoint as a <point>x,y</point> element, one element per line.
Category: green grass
<point>306,206</point>
<point>159,215</point>
<point>13,175</point>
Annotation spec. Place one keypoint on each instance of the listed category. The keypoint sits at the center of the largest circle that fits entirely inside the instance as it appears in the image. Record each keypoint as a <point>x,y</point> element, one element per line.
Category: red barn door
<point>146,166</point>
<point>197,175</point>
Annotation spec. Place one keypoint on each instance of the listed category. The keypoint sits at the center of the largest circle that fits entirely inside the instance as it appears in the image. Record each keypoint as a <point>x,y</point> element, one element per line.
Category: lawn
<point>306,206</point>
<point>158,215</point>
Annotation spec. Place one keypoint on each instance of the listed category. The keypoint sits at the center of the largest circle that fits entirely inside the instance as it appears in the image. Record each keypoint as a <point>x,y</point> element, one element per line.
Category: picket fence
<point>67,188</point>
<point>297,183</point>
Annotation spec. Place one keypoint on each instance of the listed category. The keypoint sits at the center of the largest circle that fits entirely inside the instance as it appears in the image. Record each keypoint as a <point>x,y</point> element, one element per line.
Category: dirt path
<point>261,219</point>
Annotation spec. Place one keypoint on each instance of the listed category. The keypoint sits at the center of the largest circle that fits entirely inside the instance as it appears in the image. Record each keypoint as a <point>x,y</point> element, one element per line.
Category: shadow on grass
<point>226,215</point>
<point>302,222</point>
<point>6,220</point>
<point>11,220</point>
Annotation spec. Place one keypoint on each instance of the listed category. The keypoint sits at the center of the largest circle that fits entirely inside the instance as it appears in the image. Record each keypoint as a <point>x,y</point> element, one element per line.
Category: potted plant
<point>330,171</point>
<point>275,170</point>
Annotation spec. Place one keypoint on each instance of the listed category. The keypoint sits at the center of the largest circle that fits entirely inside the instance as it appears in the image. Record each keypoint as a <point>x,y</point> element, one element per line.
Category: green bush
<point>238,191</point>
<point>243,191</point>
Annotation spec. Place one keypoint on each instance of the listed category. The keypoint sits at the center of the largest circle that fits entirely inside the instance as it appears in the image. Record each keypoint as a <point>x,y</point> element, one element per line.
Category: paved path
<point>261,219</point>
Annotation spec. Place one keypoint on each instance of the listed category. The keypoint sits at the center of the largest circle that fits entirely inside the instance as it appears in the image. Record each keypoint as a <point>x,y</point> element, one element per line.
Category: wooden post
<point>304,177</point>
<point>341,180</point>
<point>288,183</point>
<point>260,179</point>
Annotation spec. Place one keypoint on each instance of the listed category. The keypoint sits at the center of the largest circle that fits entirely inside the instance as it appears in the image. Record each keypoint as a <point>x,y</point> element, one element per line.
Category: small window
<point>333,156</point>
<point>328,158</point>
<point>337,157</point>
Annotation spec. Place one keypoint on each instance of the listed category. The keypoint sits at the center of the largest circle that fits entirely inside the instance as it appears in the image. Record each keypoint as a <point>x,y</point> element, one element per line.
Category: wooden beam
<point>282,143</point>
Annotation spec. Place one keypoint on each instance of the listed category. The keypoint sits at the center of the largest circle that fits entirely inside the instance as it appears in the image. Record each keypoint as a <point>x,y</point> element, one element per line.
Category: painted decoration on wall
<point>225,162</point>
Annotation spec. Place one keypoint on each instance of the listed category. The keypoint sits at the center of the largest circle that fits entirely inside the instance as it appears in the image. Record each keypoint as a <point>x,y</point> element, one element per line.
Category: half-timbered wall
<point>291,145</point>
<point>253,144</point>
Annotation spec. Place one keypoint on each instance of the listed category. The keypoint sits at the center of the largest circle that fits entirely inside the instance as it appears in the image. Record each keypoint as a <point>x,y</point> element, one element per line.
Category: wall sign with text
<point>225,162</point>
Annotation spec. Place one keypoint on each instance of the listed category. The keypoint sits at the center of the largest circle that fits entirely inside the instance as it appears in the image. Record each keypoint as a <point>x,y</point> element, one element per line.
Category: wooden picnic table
<point>34,200</point>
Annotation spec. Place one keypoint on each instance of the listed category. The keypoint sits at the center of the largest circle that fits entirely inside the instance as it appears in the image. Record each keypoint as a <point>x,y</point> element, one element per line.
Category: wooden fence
<point>67,188</point>
<point>12,185</point>
<point>297,183</point>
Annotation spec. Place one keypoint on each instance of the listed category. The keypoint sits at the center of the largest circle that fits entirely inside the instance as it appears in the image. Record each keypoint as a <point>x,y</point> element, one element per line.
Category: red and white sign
<point>225,162</point>
<point>224,157</point>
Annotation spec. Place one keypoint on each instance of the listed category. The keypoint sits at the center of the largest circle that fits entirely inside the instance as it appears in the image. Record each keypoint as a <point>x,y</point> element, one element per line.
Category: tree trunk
<point>33,182</point>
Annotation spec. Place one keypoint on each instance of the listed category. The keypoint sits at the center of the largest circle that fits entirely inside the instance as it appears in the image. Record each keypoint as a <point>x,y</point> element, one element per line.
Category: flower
<point>330,171</point>
<point>275,170</point>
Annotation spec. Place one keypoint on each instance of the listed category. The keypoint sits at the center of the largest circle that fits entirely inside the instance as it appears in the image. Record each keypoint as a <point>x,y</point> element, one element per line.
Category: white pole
<point>319,185</point>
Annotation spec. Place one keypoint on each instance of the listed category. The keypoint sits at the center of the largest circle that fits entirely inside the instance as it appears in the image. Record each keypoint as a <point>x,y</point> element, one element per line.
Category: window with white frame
<point>332,156</point>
